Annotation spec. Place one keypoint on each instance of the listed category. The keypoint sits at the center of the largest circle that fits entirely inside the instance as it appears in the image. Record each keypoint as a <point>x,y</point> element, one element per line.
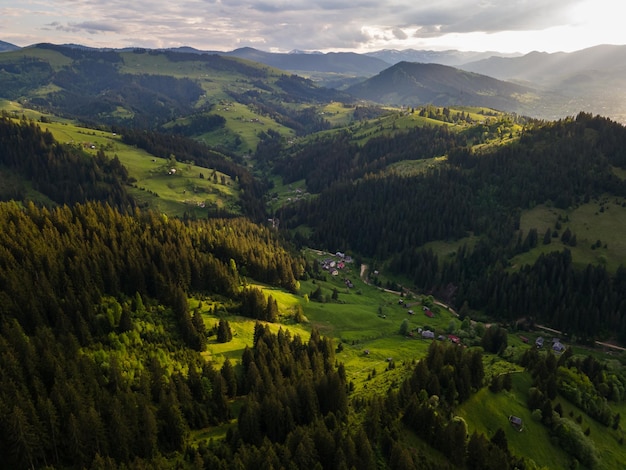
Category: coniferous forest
<point>113,313</point>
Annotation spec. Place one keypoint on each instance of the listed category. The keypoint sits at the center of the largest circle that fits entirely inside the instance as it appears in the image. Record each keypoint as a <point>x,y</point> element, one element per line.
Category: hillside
<point>412,84</point>
<point>221,96</point>
<point>7,46</point>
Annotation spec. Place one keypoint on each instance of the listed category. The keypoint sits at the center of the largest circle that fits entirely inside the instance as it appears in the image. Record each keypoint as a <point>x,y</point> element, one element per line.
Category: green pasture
<point>338,114</point>
<point>159,64</point>
<point>443,248</point>
<point>54,58</point>
<point>486,411</point>
<point>603,220</point>
<point>243,328</point>
<point>242,129</point>
<point>243,335</point>
<point>415,167</point>
<point>605,439</point>
<point>243,123</point>
<point>190,189</point>
<point>401,119</point>
<point>282,194</point>
<point>619,172</point>
<point>362,318</point>
<point>15,109</point>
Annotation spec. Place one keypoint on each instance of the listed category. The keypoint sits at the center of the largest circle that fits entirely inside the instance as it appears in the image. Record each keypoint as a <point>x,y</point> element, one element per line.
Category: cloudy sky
<point>324,25</point>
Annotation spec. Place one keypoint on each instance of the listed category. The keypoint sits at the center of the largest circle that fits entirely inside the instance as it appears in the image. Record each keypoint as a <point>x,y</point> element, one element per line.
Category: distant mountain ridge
<point>449,57</point>
<point>366,64</point>
<point>550,68</point>
<point>591,80</point>
<point>331,62</point>
<point>7,46</point>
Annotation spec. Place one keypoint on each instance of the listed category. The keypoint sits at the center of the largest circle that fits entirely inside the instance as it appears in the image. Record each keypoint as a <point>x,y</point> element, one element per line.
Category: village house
<point>516,422</point>
<point>427,334</point>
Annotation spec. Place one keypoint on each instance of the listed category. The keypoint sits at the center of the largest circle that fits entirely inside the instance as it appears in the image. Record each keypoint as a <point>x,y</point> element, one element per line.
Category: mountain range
<point>542,85</point>
<point>556,84</point>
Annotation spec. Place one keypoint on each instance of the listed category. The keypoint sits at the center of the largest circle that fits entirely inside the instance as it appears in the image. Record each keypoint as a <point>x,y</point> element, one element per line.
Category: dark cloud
<point>399,33</point>
<point>97,27</point>
<point>91,27</point>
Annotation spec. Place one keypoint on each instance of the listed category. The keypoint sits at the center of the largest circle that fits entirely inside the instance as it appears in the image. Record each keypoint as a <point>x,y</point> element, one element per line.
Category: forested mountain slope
<point>564,163</point>
<point>147,88</point>
<point>97,336</point>
<point>133,339</point>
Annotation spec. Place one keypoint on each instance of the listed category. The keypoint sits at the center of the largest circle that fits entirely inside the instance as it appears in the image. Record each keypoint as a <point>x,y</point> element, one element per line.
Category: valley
<point>209,262</point>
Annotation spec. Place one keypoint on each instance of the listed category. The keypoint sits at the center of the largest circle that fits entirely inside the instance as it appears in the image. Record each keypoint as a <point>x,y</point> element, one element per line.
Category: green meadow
<point>242,128</point>
<point>364,322</point>
<point>602,220</point>
<point>54,58</point>
<point>486,411</point>
<point>165,183</point>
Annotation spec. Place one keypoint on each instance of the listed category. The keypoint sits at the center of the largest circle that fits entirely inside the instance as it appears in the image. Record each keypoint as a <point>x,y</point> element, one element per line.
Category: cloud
<point>465,16</point>
<point>281,24</point>
<point>399,33</point>
<point>91,27</point>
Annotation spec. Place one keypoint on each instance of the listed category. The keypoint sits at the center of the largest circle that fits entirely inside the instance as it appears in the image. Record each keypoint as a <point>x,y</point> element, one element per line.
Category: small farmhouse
<point>516,422</point>
<point>455,339</point>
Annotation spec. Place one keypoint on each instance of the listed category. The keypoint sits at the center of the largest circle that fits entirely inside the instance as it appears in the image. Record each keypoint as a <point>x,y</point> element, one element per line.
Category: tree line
<point>337,158</point>
<point>64,173</point>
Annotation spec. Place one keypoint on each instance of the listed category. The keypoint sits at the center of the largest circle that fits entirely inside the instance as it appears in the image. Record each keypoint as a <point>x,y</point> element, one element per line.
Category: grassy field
<point>486,411</point>
<point>54,58</point>
<point>363,318</point>
<point>603,220</point>
<point>243,124</point>
<point>189,189</point>
<point>364,322</point>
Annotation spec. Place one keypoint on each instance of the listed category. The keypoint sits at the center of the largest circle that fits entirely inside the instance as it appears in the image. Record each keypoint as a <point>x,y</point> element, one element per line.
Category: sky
<point>506,26</point>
